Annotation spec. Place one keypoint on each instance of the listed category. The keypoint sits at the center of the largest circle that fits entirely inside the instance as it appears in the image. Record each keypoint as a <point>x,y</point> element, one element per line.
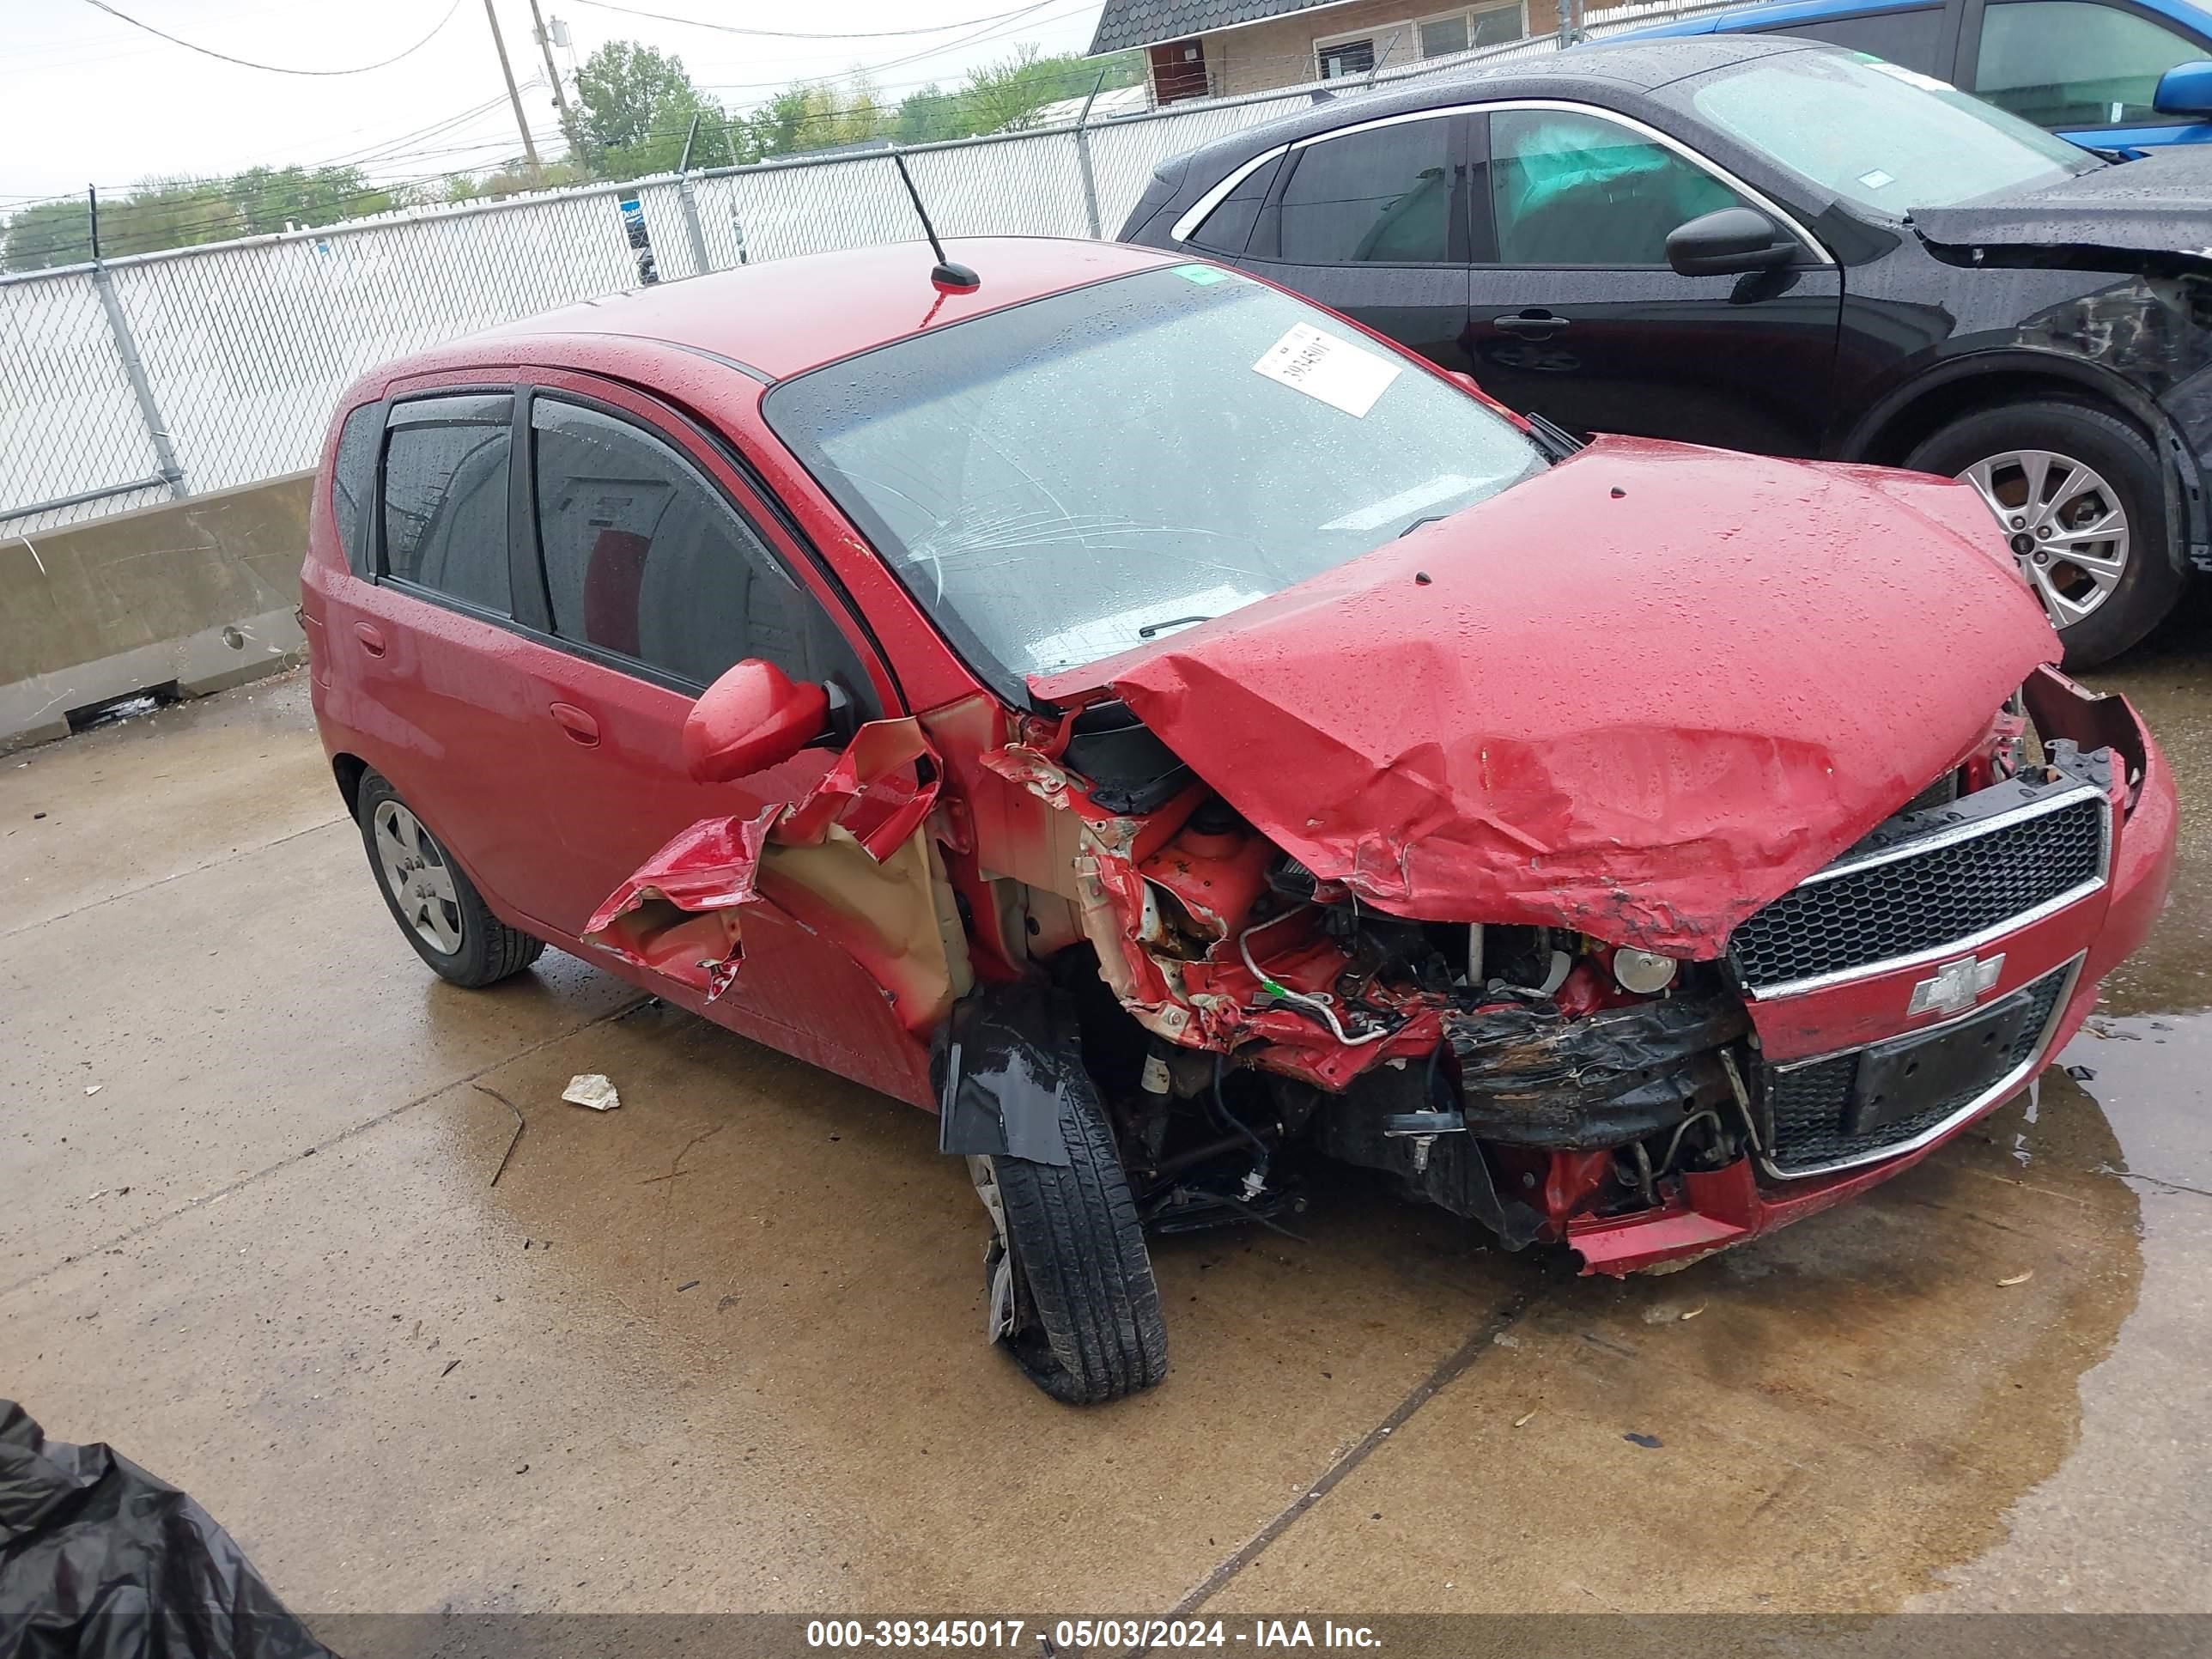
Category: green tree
<point>165,213</point>
<point>512,179</point>
<point>1007,95</point>
<point>635,107</point>
<point>800,118</point>
<point>929,116</point>
<point>49,233</point>
<point>269,198</point>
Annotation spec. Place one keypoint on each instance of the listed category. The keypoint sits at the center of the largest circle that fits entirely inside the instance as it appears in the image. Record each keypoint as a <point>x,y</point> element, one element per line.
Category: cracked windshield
<point>1066,479</point>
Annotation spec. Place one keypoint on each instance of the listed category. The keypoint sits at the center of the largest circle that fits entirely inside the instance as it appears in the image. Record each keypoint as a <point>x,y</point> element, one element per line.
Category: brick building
<point>1214,48</point>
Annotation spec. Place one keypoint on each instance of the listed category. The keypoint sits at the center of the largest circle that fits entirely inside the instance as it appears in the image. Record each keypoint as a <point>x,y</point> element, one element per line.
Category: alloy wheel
<point>2065,525</point>
<point>417,876</point>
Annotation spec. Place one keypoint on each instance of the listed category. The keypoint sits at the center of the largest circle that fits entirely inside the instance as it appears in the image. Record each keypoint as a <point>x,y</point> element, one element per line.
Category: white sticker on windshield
<point>1373,516</point>
<point>1877,179</point>
<point>1910,78</point>
<point>1103,636</point>
<point>1342,375</point>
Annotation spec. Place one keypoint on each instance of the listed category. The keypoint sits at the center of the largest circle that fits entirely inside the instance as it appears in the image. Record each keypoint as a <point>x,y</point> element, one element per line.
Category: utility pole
<point>560,92</point>
<point>514,97</point>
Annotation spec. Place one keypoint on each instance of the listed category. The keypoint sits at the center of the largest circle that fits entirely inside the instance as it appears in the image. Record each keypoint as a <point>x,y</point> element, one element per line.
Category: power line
<point>384,146</point>
<point>804,35</point>
<point>274,68</point>
<point>993,33</point>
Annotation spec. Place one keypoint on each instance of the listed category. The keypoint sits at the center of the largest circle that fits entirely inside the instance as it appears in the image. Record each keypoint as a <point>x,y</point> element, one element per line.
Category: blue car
<point>2110,74</point>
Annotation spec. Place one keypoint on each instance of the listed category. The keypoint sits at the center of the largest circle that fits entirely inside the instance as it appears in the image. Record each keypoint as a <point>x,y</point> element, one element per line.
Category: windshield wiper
<point>1151,628</point>
<point>1433,517</point>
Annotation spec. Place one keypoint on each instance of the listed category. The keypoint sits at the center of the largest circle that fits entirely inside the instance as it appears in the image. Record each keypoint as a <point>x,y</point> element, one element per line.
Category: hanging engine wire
<point>1229,1119</point>
<point>1321,1004</point>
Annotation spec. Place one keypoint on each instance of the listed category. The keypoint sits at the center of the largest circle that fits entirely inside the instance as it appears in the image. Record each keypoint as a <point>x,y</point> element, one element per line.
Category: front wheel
<point>2081,501</point>
<point>1070,1285</point>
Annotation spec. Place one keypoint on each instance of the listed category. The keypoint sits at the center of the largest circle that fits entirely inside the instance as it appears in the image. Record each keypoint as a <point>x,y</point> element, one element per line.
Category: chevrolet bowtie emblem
<point>1956,985</point>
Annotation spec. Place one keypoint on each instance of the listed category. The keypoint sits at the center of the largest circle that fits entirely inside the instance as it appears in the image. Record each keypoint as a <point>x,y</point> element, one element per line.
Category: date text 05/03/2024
<point>1063,1635</point>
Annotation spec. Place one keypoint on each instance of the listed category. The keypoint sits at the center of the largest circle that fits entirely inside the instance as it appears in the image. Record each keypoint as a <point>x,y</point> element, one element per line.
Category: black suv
<point>1774,245</point>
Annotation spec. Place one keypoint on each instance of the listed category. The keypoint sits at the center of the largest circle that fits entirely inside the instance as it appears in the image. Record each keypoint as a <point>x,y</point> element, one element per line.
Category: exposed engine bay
<point>1232,1008</point>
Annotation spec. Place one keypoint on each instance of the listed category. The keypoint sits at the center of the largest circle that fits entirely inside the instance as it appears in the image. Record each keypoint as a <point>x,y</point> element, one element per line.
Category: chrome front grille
<point>1936,882</point>
<point>1809,1105</point>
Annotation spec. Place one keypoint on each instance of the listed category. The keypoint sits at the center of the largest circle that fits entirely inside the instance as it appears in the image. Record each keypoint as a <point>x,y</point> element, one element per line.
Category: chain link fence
<point>138,380</point>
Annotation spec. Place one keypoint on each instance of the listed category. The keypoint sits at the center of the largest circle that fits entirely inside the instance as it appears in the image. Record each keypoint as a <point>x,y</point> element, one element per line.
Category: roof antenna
<point>947,277</point>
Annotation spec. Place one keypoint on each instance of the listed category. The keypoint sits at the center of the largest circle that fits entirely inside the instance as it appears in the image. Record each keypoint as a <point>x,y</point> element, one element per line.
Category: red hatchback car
<point>1167,730</point>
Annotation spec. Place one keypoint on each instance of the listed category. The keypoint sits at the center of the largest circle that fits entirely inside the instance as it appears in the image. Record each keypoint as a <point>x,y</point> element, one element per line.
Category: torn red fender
<point>868,791</point>
<point>677,913</point>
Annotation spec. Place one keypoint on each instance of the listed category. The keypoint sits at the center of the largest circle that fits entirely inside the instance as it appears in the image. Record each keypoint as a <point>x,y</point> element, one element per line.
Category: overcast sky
<point>85,98</point>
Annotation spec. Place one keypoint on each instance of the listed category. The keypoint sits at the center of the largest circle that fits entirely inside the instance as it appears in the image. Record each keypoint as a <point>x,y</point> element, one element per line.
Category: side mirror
<point>1722,244</point>
<point>2184,90</point>
<point>752,718</point>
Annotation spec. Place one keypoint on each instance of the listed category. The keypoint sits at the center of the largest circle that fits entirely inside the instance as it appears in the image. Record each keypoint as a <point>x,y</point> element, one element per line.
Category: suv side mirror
<point>1722,244</point>
<point>2184,90</point>
<point>752,718</point>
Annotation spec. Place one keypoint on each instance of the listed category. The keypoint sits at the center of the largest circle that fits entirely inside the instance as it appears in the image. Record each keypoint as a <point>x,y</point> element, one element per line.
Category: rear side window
<point>1229,227</point>
<point>353,477</point>
<point>445,497</point>
<point>645,559</point>
<point>1383,195</point>
<point>1909,40</point>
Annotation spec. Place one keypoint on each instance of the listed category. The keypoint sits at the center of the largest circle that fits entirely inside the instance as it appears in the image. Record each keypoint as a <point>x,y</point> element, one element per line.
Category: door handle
<point>371,637</point>
<point>1531,325</point>
<point>576,723</point>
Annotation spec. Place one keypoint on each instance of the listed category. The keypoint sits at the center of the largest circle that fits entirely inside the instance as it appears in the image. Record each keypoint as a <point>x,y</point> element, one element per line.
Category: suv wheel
<point>1068,1280</point>
<point>2081,500</point>
<point>431,898</point>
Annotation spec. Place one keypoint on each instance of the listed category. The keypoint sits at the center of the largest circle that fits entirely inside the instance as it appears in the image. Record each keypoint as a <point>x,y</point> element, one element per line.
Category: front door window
<point>1569,189</point>
<point>2063,64</point>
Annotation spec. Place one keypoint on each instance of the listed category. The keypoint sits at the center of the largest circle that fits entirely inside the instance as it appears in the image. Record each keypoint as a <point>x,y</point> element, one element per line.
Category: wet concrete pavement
<point>721,1349</point>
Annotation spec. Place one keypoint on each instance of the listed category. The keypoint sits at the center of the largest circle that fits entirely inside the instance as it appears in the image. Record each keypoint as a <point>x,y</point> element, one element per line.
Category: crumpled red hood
<point>1640,695</point>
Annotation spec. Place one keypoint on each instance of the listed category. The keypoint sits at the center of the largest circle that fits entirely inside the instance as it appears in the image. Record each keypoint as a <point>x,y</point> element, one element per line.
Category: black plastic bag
<point>101,1560</point>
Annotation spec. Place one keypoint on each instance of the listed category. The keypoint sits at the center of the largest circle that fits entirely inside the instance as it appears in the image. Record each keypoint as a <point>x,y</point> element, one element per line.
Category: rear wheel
<point>431,898</point>
<point>1070,1283</point>
<point>2079,498</point>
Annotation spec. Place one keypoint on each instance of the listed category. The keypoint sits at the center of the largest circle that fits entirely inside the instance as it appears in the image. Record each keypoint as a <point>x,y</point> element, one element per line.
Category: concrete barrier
<point>197,595</point>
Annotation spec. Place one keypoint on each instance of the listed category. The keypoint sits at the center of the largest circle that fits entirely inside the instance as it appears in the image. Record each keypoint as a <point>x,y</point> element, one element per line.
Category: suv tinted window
<point>445,497</point>
<point>353,476</point>
<point>1912,39</point>
<point>1578,190</point>
<point>644,558</point>
<point>1381,195</point>
<point>2072,63</point>
<point>1229,227</point>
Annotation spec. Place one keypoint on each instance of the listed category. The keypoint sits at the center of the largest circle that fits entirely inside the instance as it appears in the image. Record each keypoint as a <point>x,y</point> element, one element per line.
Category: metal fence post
<point>1083,162</point>
<point>688,195</point>
<point>126,347</point>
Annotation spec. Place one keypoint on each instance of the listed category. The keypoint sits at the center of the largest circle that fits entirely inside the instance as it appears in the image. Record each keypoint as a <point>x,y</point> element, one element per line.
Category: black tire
<point>2149,583</point>
<point>1086,1310</point>
<point>488,949</point>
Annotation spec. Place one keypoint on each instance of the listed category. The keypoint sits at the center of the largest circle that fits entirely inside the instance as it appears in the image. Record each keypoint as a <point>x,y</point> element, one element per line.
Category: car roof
<point>1782,13</point>
<point>1642,65</point>
<point>785,315</point>
<point>1765,14</point>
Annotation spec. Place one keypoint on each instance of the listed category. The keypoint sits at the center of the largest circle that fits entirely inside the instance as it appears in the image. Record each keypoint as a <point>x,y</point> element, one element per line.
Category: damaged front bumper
<point>1866,1062</point>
